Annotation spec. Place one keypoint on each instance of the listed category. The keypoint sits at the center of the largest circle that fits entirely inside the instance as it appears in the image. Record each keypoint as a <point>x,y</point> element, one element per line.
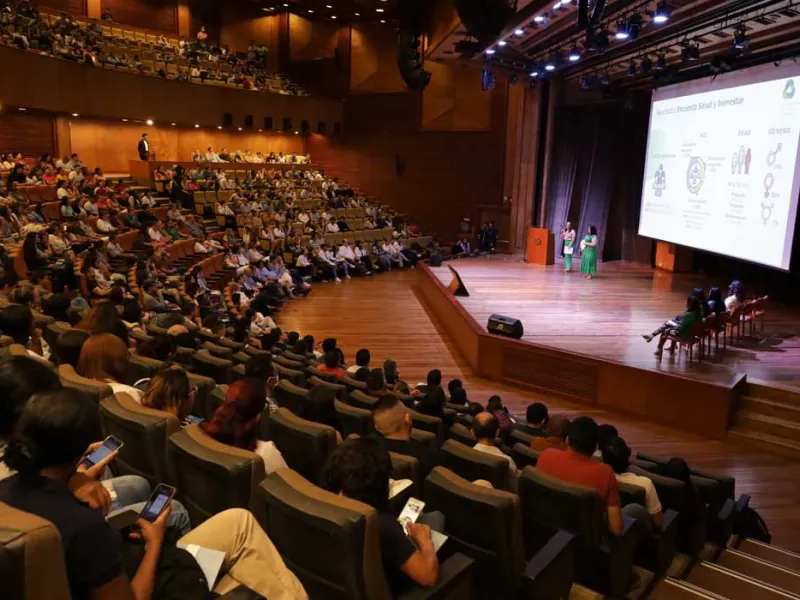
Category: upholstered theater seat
<point>473,464</point>
<point>95,389</point>
<point>144,431</point>
<point>461,434</point>
<point>353,420</point>
<point>361,399</point>
<point>218,369</point>
<point>339,390</point>
<point>305,445</point>
<point>210,476</point>
<point>292,397</point>
<point>345,563</point>
<point>433,424</point>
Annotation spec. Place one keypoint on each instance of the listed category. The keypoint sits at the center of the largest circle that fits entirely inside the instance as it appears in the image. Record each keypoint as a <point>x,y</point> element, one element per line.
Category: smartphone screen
<point>159,500</point>
<point>192,419</point>
<point>109,445</point>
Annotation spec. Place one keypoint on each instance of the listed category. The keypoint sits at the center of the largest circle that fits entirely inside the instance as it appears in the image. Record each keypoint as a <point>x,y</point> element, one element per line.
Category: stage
<point>583,338</point>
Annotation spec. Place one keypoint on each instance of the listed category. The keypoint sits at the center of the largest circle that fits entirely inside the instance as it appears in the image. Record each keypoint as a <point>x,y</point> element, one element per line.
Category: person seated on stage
<point>680,329</point>
<point>393,427</point>
<point>715,303</point>
<point>536,418</point>
<point>672,323</point>
<point>700,294</point>
<point>736,295</point>
<point>557,432</point>
<point>486,429</point>
<point>617,455</point>
<point>359,468</point>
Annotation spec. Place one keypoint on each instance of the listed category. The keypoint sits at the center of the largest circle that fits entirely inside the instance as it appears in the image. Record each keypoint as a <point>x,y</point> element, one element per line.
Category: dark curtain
<point>596,175</point>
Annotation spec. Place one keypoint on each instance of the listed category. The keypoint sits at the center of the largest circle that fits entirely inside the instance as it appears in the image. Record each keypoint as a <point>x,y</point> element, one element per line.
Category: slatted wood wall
<point>160,15</point>
<point>30,134</point>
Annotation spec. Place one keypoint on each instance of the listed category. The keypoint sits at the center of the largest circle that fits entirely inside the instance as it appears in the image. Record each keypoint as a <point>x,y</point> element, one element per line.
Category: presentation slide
<point>722,171</point>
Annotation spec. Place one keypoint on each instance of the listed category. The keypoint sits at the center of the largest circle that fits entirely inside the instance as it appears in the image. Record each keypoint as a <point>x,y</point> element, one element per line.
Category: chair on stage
<point>760,309</point>
<point>749,315</point>
<point>735,323</point>
<point>721,326</point>
<point>695,339</point>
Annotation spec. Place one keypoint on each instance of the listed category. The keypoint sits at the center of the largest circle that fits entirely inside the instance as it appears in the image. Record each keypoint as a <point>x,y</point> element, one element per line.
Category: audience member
<point>536,419</point>
<point>104,358</point>
<point>362,360</point>
<point>557,432</point>
<point>487,431</point>
<point>617,455</point>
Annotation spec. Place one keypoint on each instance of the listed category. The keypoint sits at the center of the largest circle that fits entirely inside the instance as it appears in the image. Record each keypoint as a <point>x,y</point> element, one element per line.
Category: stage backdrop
<point>596,174</point>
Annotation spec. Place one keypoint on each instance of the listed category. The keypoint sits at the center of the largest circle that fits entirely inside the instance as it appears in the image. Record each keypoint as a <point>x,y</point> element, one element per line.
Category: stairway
<point>769,417</point>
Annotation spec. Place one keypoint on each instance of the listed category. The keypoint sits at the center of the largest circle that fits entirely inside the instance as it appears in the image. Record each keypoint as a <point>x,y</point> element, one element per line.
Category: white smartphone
<point>411,512</point>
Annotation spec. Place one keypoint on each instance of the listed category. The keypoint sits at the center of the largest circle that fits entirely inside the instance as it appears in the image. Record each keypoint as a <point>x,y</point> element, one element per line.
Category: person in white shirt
<point>103,225</point>
<point>617,455</point>
<point>332,227</point>
<point>486,428</point>
<point>345,253</point>
<point>200,247</point>
<point>157,237</point>
<point>224,209</point>
<point>55,238</point>
<point>341,263</point>
<point>91,207</point>
<point>302,217</point>
<point>235,260</point>
<point>278,233</point>
<point>147,201</point>
<point>325,265</point>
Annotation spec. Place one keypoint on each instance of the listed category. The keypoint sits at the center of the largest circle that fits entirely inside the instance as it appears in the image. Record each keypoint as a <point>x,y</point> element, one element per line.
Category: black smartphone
<point>159,500</point>
<point>110,444</point>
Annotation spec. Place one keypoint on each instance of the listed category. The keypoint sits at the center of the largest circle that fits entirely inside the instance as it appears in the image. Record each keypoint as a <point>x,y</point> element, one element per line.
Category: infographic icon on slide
<point>789,90</point>
<point>660,181</point>
<point>695,174</point>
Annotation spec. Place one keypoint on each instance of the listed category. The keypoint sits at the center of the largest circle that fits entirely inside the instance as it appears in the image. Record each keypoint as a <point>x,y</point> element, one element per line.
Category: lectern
<point>541,246</point>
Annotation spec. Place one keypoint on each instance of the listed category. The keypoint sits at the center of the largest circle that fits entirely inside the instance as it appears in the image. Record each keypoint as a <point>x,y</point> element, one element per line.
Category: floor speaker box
<point>507,326</point>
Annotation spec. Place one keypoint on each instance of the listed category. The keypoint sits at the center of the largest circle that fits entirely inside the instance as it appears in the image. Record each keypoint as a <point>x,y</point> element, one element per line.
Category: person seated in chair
<point>486,428</point>
<point>393,427</point>
<point>359,468</point>
<point>556,437</point>
<point>536,418</point>
<point>576,465</point>
<point>681,329</point>
<point>332,365</point>
<point>362,360</point>
<point>617,455</point>
<point>48,444</point>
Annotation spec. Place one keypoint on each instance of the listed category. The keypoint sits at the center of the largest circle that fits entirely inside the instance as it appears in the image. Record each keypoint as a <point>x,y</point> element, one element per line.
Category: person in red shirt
<point>575,465</point>
<point>332,364</point>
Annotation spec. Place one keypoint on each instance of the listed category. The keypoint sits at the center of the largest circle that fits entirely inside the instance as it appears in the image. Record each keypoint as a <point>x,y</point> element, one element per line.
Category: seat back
<point>524,455</point>
<point>339,390</point>
<point>433,424</point>
<point>354,384</point>
<point>142,367</point>
<point>305,445</point>
<point>291,396</point>
<point>324,375</point>
<point>345,563</point>
<point>482,523</point>
<point>144,431</point>
<point>31,557</point>
<point>353,420</point>
<point>361,399</point>
<point>460,433</point>
<point>472,464</point>
<point>293,375</point>
<point>218,369</point>
<point>210,476</point>
<point>96,389</point>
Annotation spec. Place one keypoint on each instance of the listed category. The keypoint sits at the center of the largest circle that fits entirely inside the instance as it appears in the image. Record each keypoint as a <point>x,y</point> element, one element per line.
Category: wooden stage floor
<point>606,317</point>
<point>386,316</point>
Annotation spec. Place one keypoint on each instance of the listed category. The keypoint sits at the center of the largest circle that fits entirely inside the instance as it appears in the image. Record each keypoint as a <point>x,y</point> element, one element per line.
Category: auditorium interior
<point>531,264</point>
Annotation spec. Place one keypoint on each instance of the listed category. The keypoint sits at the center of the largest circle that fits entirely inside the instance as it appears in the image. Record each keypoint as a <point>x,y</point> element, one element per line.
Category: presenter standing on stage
<point>589,253</point>
<point>144,148</point>
<point>568,235</point>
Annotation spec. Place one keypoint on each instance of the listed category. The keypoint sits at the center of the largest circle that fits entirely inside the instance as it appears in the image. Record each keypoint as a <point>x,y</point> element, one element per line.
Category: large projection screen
<point>722,171</point>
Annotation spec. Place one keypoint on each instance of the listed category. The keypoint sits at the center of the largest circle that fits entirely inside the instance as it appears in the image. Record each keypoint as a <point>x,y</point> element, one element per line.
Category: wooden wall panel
<point>243,24</point>
<point>311,40</point>
<point>159,15</point>
<point>454,100</point>
<point>443,20</point>
<point>32,135</point>
<point>444,176</point>
<point>373,60</point>
<point>73,7</point>
<point>111,145</point>
<point>64,87</point>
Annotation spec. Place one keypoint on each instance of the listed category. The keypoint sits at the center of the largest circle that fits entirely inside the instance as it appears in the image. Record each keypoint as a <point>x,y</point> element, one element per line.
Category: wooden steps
<point>734,585</point>
<point>761,570</point>
<point>773,554</point>
<point>768,417</point>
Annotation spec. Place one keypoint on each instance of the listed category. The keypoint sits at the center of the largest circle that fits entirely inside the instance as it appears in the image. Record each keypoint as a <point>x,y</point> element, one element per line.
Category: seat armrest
<point>550,573</point>
<point>727,510</point>
<point>241,593</point>
<point>619,550</point>
<point>741,504</point>
<point>455,581</point>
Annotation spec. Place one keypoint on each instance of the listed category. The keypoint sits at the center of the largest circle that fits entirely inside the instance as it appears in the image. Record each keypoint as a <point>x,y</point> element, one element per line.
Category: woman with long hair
<point>683,329</point>
<point>170,391</point>
<point>104,358</point>
<point>238,420</point>
<point>589,253</point>
<point>736,295</point>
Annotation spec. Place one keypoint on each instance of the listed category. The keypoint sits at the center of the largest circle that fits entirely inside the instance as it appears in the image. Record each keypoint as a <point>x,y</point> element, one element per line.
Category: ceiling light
<point>378,10</point>
<point>575,53</point>
<point>197,126</point>
<point>519,32</point>
<point>357,14</point>
<point>539,18</point>
<point>310,11</point>
<point>691,52</point>
<point>740,39</point>
<point>502,43</point>
<point>662,13</point>
<point>149,122</point>
<point>383,20</point>
<point>328,6</point>
<point>124,120</point>
<point>333,16</point>
<point>75,115</point>
<point>623,33</point>
<point>22,108</point>
<point>634,26</point>
<point>297,133</point>
<point>173,124</point>
<point>646,66</point>
<point>565,2</point>
<point>218,126</point>
<point>606,78</point>
<point>240,128</point>
<point>285,4</point>
<point>557,5</point>
<point>260,130</point>
<point>550,65</point>
<point>490,51</point>
<point>535,72</point>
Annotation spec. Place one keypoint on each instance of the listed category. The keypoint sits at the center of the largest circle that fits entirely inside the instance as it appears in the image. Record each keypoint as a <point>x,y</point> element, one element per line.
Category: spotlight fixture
<point>218,126</point>
<point>75,115</point>
<point>513,80</point>
<point>606,78</point>
<point>740,39</point>
<point>535,72</point>
<point>197,126</point>
<point>662,13</point>
<point>623,33</point>
<point>690,52</point>
<point>597,41</point>
<point>550,65</point>
<point>519,32</point>
<point>149,122</point>
<point>632,69</point>
<point>502,43</point>
<point>539,19</point>
<point>124,120</point>
<point>646,65</point>
<point>240,128</point>
<point>22,109</point>
<point>490,51</point>
<point>574,53</point>
<point>173,124</point>
<point>557,5</point>
<point>589,81</point>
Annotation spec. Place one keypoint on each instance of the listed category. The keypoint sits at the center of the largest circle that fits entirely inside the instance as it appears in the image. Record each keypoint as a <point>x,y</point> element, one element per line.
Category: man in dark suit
<point>144,148</point>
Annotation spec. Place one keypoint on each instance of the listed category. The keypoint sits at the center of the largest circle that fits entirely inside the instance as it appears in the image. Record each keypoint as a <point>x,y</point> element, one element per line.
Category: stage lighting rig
<point>623,33</point>
<point>646,66</point>
<point>662,13</point>
<point>575,53</point>
<point>634,26</point>
<point>740,39</point>
<point>661,62</point>
<point>690,52</point>
<point>606,79</point>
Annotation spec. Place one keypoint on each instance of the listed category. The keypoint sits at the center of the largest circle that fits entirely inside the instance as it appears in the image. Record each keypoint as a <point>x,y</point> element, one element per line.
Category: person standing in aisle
<point>589,253</point>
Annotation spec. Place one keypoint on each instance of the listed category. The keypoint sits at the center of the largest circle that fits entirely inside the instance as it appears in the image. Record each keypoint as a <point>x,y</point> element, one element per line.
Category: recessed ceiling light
<point>490,51</point>
<point>297,133</point>
<point>357,14</point>
<point>197,126</point>
<point>218,126</point>
<point>260,130</point>
<point>173,124</point>
<point>538,18</point>
<point>328,6</point>
<point>502,43</point>
<point>240,128</point>
<point>378,10</point>
<point>383,20</point>
<point>124,120</point>
<point>149,121</point>
<point>333,16</point>
<point>311,11</point>
<point>519,32</point>
<point>75,115</point>
<point>22,108</point>
<point>285,4</point>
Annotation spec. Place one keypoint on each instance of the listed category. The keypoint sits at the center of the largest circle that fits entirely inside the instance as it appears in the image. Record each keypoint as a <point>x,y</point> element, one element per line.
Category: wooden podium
<point>674,258</point>
<point>541,246</point>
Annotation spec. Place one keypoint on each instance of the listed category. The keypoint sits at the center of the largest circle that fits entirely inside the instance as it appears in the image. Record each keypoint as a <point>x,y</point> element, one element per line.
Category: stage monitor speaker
<point>456,285</point>
<point>507,326</point>
<point>227,119</point>
<point>248,121</point>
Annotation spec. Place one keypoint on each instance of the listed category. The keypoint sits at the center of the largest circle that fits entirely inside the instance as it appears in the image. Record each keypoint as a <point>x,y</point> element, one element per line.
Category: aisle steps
<point>734,585</point>
<point>760,570</point>
<point>769,417</point>
<point>773,554</point>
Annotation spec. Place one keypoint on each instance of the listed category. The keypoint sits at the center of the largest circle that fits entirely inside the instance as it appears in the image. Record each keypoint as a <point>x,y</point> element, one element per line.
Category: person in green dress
<point>683,329</point>
<point>568,235</point>
<point>589,253</point>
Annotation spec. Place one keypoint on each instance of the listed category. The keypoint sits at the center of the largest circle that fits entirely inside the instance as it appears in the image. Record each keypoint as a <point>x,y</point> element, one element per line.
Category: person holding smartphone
<point>45,449</point>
